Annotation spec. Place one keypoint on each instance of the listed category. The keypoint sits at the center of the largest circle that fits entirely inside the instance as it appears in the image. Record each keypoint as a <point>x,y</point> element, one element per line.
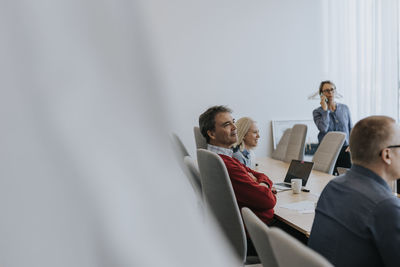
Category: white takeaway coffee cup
<point>296,185</point>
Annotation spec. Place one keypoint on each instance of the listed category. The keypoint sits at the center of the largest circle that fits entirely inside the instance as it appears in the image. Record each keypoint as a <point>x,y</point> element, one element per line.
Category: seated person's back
<point>357,220</point>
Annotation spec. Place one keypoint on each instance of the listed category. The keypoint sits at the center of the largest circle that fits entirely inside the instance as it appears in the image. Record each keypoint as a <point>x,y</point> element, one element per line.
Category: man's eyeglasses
<point>329,90</point>
<point>394,146</point>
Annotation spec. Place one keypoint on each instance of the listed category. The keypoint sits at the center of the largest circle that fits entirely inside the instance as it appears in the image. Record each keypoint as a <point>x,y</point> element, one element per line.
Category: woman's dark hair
<point>322,85</point>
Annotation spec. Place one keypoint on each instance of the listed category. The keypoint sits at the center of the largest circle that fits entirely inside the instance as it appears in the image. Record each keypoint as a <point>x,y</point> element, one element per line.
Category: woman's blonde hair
<point>243,125</point>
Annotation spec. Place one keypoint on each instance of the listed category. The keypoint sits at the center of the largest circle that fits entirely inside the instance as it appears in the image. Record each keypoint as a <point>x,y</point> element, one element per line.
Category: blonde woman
<point>248,135</point>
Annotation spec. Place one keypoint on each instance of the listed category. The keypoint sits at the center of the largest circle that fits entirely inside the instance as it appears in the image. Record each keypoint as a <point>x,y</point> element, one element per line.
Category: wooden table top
<point>276,171</point>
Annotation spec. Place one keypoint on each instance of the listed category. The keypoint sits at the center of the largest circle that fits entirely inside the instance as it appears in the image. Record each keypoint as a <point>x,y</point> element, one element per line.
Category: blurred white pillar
<point>87,177</point>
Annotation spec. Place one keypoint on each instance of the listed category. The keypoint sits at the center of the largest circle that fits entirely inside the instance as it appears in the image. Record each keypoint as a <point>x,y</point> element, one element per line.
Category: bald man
<point>357,219</point>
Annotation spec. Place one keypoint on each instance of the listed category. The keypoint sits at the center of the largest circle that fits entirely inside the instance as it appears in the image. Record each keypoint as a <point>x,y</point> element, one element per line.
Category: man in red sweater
<point>252,189</point>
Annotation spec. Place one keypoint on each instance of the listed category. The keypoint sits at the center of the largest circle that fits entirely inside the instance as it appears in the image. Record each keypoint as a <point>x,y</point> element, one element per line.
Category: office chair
<point>201,142</point>
<point>280,152</point>
<point>296,144</point>
<point>328,151</point>
<point>221,201</point>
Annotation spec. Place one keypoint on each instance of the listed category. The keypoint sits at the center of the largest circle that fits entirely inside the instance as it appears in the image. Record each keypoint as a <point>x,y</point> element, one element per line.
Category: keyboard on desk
<point>284,185</point>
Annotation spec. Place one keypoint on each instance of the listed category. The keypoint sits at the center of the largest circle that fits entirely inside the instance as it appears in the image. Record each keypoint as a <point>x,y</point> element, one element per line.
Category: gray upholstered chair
<point>328,151</point>
<point>221,202</point>
<point>258,231</point>
<point>290,252</point>
<point>201,142</point>
<point>193,174</point>
<point>189,168</point>
<point>179,146</point>
<point>280,152</point>
<point>296,144</point>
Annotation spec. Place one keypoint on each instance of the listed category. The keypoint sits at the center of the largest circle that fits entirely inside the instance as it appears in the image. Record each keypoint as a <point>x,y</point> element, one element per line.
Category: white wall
<point>261,58</point>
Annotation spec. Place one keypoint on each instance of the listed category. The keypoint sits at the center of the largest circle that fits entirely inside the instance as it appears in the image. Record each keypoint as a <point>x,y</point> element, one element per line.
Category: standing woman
<point>332,116</point>
<point>248,136</point>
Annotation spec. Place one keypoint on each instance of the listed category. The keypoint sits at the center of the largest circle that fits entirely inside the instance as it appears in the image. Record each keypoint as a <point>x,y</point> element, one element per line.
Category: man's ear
<point>386,157</point>
<point>211,134</point>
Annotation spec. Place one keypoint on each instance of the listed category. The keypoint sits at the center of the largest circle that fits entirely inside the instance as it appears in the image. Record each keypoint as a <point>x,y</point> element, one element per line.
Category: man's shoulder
<point>350,180</point>
<point>338,181</point>
<point>354,187</point>
<point>341,188</point>
<point>228,159</point>
<point>225,157</point>
<point>231,162</point>
<point>390,202</point>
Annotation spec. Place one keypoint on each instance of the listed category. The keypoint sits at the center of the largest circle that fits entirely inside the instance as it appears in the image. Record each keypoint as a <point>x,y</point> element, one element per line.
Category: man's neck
<point>220,145</point>
<point>220,150</point>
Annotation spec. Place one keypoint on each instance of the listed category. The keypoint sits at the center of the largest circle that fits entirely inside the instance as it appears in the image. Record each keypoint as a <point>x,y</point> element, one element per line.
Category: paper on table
<point>307,211</point>
<point>302,206</point>
<point>315,194</point>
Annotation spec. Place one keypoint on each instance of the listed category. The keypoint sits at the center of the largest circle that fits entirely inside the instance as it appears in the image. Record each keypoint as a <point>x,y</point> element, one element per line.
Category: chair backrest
<point>193,174</point>
<point>280,151</point>
<point>258,231</point>
<point>220,199</point>
<point>328,151</point>
<point>296,145</point>
<point>179,146</point>
<point>201,142</point>
<point>289,251</point>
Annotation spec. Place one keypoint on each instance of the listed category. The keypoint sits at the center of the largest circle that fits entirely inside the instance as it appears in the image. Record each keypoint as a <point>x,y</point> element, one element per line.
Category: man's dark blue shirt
<point>357,221</point>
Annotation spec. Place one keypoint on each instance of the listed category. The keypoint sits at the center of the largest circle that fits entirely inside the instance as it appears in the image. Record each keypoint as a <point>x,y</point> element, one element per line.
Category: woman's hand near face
<point>323,103</point>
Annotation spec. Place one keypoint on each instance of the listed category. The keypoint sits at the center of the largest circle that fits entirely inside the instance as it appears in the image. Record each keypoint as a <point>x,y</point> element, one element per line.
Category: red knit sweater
<point>249,193</point>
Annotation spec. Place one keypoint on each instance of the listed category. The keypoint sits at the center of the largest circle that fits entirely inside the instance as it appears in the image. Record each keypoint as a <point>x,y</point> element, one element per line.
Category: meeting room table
<point>296,210</point>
